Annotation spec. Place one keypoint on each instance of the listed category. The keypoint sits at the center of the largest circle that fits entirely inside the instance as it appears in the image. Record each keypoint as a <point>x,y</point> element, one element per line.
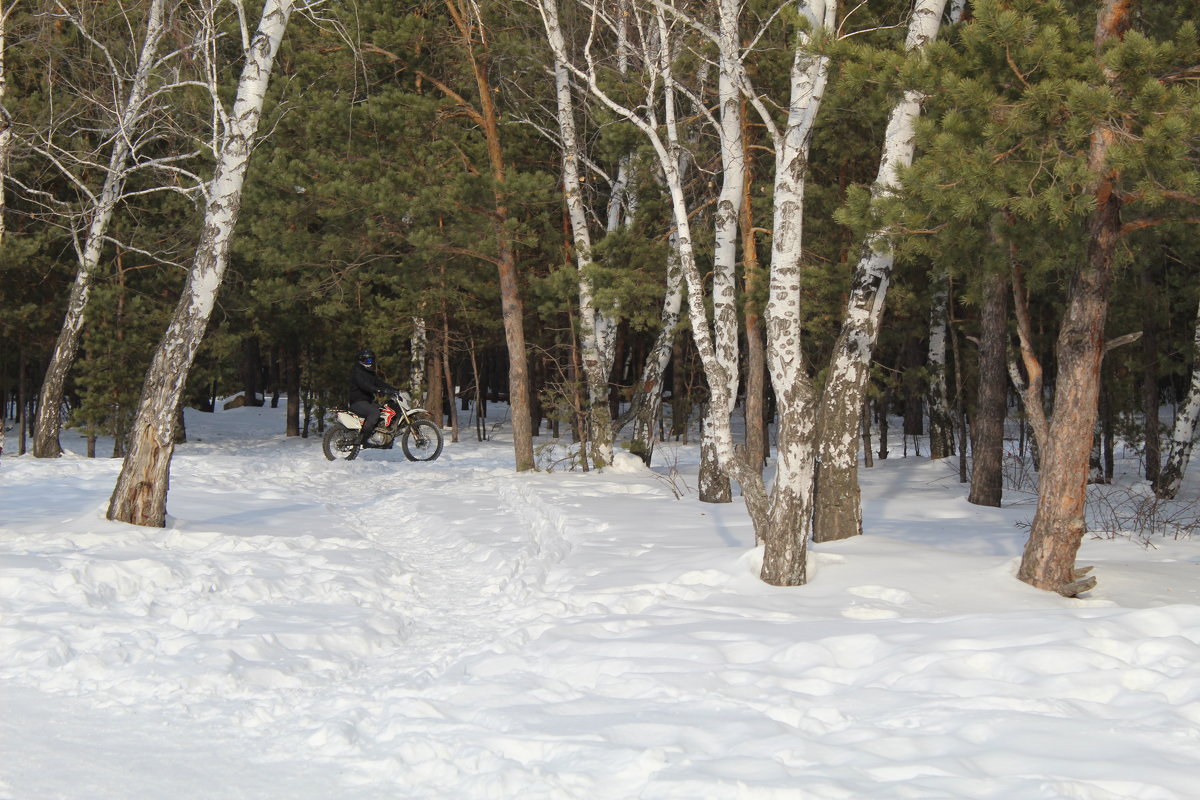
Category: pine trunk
<point>1031,386</point>
<point>511,304</point>
<point>987,440</point>
<point>1058,524</point>
<point>291,352</point>
<point>756,354</point>
<point>447,374</point>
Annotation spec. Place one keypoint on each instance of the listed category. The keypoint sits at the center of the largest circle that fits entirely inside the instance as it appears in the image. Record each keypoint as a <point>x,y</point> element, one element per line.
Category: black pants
<point>370,413</point>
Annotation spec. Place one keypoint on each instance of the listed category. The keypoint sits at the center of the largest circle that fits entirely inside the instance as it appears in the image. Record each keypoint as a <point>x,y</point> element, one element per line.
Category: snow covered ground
<point>381,629</point>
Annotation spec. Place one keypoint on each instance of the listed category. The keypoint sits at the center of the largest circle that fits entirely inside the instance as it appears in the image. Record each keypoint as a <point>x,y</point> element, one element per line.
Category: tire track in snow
<point>469,572</point>
<point>289,595</point>
<point>462,579</point>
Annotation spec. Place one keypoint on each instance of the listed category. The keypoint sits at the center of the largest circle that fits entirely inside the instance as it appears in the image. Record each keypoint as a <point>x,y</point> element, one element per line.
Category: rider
<point>364,385</point>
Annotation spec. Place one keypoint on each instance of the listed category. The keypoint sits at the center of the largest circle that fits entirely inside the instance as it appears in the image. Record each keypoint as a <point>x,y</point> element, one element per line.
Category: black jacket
<point>365,384</point>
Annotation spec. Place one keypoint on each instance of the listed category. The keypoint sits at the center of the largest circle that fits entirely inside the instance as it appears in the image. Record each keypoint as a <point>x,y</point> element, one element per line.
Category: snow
<point>383,629</point>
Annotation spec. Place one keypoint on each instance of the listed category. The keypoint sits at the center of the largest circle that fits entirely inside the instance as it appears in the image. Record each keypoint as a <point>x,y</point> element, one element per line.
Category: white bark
<point>715,487</point>
<point>663,135</point>
<point>786,534</point>
<point>647,396</point>
<point>5,127</point>
<point>416,356</point>
<point>836,514</point>
<point>597,329</point>
<point>940,412</point>
<point>647,400</point>
<point>140,493</point>
<point>1183,436</point>
<point>779,517</point>
<point>129,117</point>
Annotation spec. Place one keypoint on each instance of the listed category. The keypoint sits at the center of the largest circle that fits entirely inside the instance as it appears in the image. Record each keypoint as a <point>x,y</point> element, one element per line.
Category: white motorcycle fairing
<point>349,420</point>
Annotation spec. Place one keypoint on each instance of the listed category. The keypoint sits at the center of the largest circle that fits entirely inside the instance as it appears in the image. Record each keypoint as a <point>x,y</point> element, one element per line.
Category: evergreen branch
<point>1142,224</point>
<point>1121,341</point>
<point>922,231</point>
<point>1182,197</point>
<point>1013,66</point>
<point>1189,74</point>
<point>469,109</point>
<point>466,251</point>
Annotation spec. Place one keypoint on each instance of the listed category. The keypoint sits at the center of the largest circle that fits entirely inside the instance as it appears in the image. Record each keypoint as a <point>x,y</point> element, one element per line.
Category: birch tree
<point>1183,435</point>
<point>130,114</point>
<point>713,483</point>
<point>140,494</point>
<point>5,128</point>
<point>416,356</point>
<point>597,328</point>
<point>837,508</point>
<point>941,415</point>
<point>5,149</point>
<point>646,402</point>
<point>780,514</point>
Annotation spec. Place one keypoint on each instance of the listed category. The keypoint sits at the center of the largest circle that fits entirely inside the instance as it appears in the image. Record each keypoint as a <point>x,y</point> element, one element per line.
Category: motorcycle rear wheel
<point>340,443</point>
<point>422,441</point>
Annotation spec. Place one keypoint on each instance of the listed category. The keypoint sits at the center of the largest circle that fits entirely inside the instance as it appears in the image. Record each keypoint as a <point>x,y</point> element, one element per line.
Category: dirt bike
<point>418,435</point>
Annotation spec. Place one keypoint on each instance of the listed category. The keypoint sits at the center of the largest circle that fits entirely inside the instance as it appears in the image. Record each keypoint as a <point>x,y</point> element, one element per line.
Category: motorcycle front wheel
<point>340,443</point>
<point>422,441</point>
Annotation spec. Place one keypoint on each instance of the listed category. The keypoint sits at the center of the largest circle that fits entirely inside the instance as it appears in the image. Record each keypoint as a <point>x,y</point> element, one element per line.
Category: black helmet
<point>366,357</point>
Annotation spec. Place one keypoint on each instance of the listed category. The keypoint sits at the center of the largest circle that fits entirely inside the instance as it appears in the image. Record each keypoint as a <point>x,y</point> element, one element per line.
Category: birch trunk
<point>713,480</point>
<point>837,507</point>
<point>1183,436</point>
<point>49,420</point>
<point>417,344</point>
<point>941,415</point>
<point>780,516</point>
<point>597,340</point>
<point>1058,524</point>
<point>647,399</point>
<point>5,135</point>
<point>663,135</point>
<point>784,532</point>
<point>140,495</point>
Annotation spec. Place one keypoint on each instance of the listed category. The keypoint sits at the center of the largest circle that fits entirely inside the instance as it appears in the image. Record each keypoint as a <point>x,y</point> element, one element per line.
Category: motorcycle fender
<point>351,421</point>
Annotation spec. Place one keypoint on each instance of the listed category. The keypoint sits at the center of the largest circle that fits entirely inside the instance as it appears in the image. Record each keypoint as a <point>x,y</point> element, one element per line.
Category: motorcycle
<point>419,437</point>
